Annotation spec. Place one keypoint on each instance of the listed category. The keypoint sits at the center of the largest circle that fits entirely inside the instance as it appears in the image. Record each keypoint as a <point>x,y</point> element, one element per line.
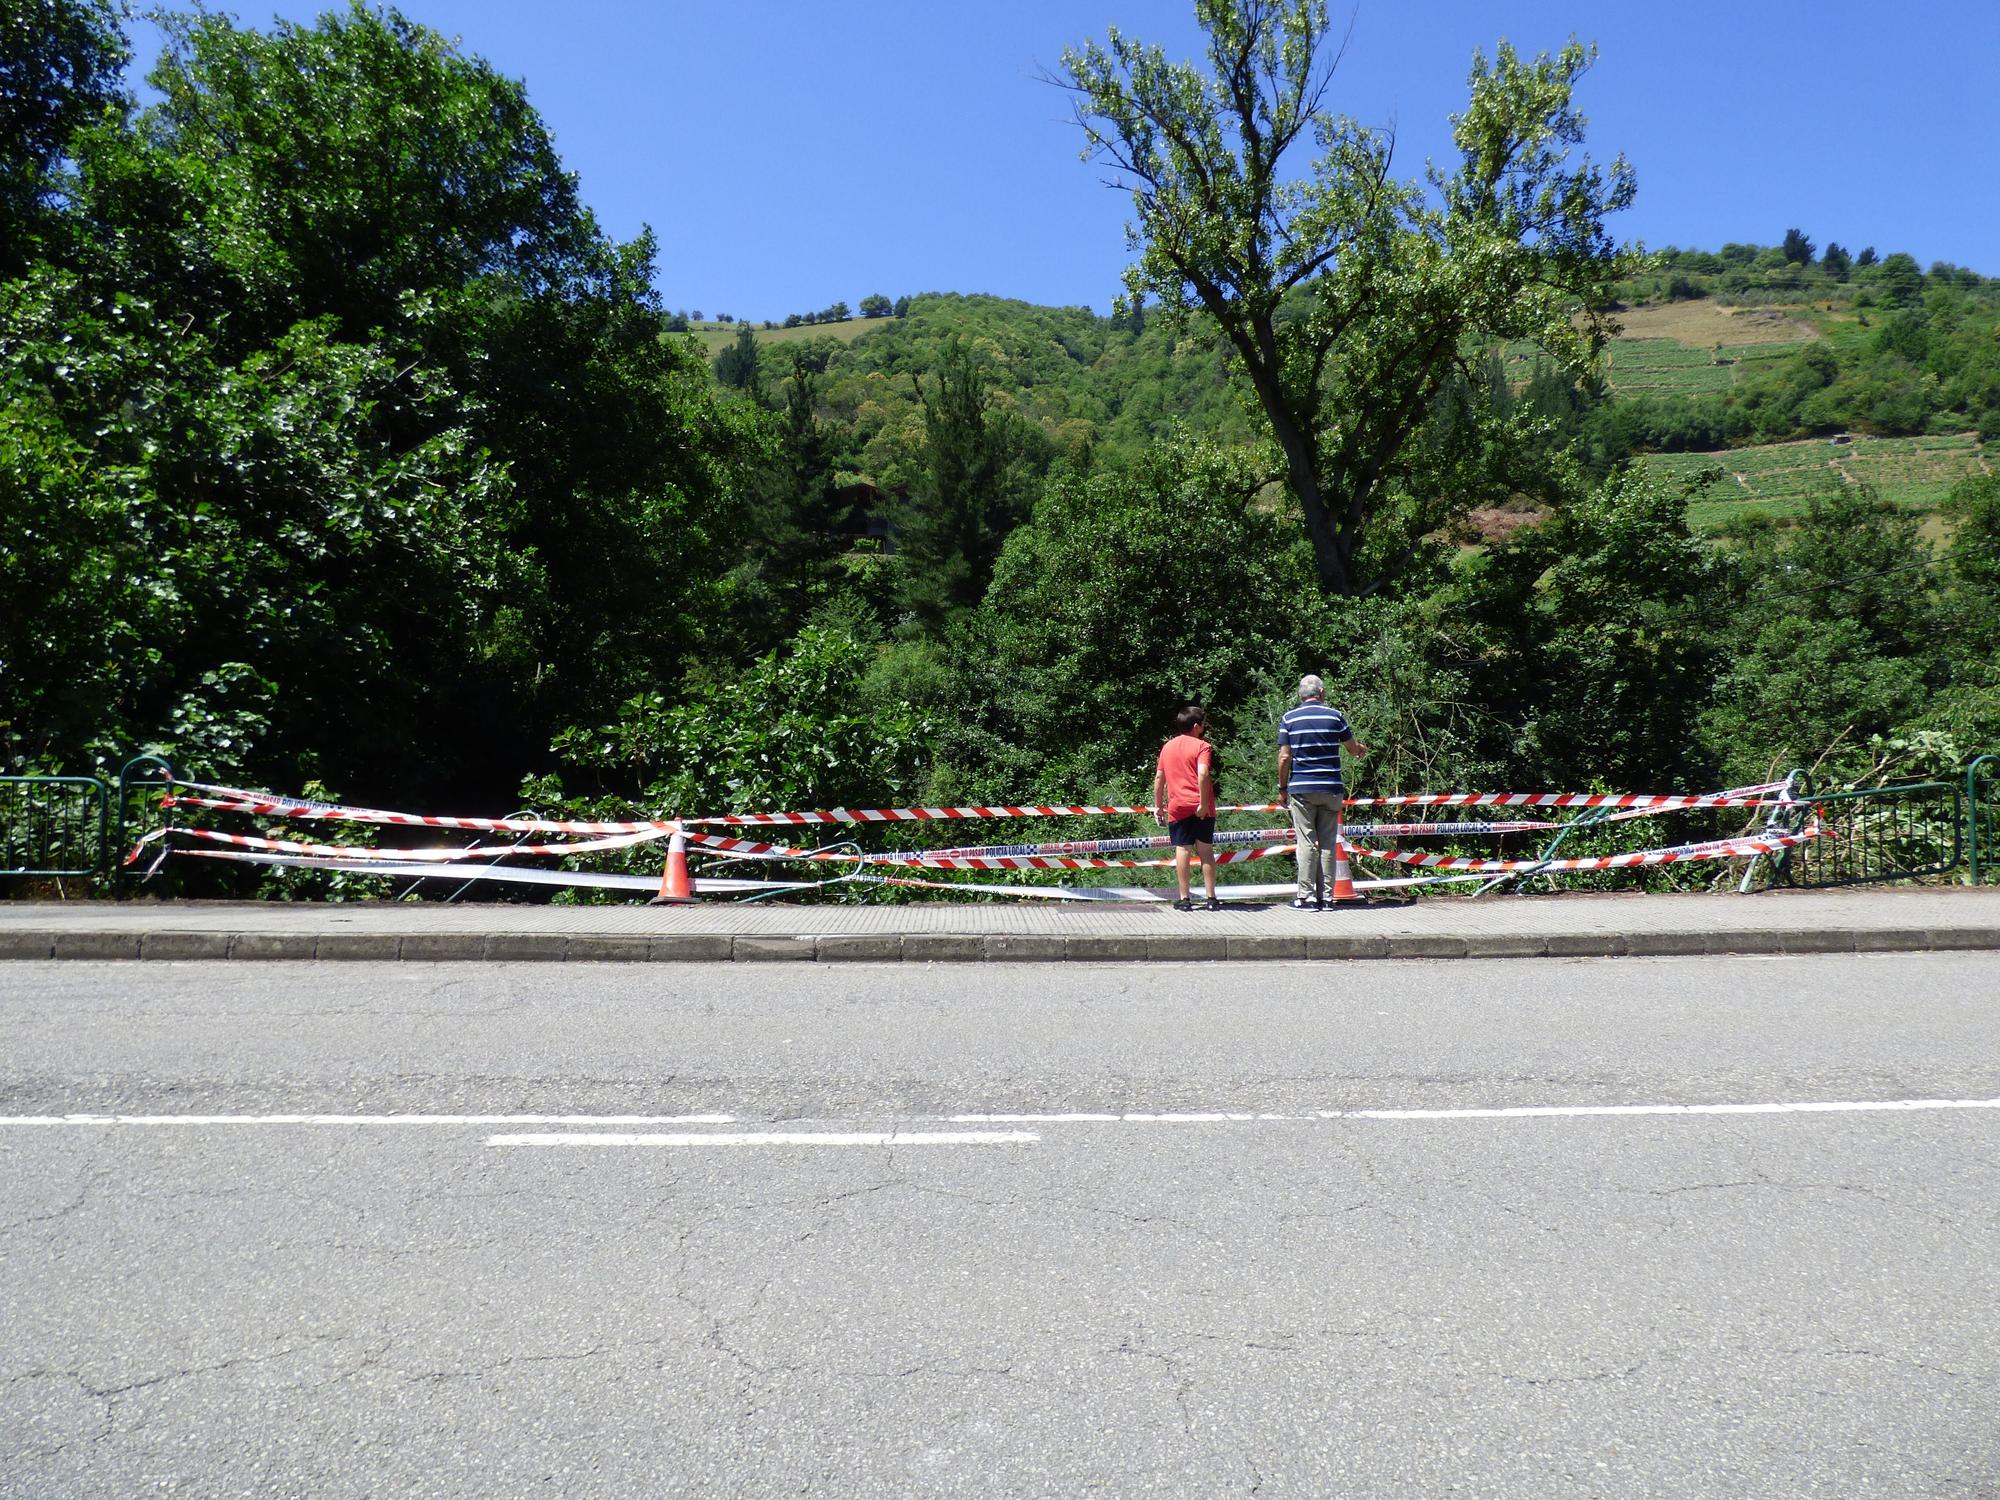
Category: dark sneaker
<point>1186,903</point>
<point>1213,905</point>
<point>1300,903</point>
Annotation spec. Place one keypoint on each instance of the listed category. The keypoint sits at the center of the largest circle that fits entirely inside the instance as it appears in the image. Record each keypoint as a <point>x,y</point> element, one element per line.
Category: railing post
<point>1973,810</point>
<point>1780,821</point>
<point>134,774</point>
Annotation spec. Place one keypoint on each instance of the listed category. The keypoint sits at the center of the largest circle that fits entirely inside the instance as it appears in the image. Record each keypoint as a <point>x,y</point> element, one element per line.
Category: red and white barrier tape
<point>1098,846</point>
<point>510,874</point>
<point>1226,837</point>
<point>930,814</point>
<point>593,836</point>
<point>1754,796</point>
<point>1077,854</point>
<point>265,807</point>
<point>1736,797</point>
<point>1059,862</point>
<point>1473,829</point>
<point>359,855</point>
<point>935,860</point>
<point>413,856</point>
<point>264,804</point>
<point>1741,848</point>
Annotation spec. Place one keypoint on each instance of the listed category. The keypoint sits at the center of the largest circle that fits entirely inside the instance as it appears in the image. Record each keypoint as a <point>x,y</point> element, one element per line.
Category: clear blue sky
<point>794,152</point>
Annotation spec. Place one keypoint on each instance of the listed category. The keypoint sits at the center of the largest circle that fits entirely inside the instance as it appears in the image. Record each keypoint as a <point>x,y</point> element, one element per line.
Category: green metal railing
<point>53,825</point>
<point>1908,832</point>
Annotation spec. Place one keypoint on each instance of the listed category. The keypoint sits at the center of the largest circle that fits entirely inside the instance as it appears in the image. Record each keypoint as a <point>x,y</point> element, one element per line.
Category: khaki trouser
<point>1316,823</point>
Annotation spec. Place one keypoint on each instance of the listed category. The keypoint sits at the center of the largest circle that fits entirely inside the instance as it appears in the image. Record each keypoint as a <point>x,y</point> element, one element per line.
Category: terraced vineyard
<point>1671,368</point>
<point>1775,479</point>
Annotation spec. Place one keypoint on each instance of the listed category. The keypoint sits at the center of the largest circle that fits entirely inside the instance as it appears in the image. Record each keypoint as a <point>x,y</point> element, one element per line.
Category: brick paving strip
<point>1567,925</point>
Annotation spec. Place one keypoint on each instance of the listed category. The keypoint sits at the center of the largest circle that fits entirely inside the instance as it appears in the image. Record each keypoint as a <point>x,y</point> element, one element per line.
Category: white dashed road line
<point>1549,1111</point>
<point>777,1138</point>
<point>402,1119</point>
<point>1510,1112</point>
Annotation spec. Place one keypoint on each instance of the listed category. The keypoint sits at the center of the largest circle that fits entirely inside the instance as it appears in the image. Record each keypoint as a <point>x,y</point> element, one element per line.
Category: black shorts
<point>1185,831</point>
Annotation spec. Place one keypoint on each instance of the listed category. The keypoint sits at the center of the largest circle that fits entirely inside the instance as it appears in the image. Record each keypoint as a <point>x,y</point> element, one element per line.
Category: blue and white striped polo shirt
<point>1314,733</point>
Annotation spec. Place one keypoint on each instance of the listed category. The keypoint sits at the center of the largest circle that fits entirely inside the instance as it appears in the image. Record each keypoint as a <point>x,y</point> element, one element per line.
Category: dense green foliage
<point>1096,389</point>
<point>976,484</point>
<point>339,445</point>
<point>793,729</point>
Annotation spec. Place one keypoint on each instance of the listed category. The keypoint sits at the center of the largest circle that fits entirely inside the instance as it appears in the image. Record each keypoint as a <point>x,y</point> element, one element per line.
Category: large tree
<point>335,436</point>
<point>973,488</point>
<point>1089,615</point>
<point>61,66</point>
<point>1350,297</point>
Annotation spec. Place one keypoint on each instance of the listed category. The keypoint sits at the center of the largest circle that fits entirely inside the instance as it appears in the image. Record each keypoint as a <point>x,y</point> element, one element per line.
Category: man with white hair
<point>1309,782</point>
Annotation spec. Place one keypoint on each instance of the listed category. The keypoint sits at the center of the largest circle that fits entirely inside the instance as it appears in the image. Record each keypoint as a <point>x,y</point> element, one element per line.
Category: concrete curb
<point>948,947</point>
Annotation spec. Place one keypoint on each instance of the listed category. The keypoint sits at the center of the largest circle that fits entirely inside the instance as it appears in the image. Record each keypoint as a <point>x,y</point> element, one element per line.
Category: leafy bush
<point>794,732</point>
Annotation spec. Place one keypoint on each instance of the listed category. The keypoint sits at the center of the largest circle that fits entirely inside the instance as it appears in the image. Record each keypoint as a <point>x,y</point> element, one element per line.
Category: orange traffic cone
<point>1343,892</point>
<point>676,888</point>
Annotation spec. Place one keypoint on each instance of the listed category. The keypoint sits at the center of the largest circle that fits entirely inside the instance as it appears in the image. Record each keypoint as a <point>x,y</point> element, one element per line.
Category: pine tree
<point>970,494</point>
<point>737,365</point>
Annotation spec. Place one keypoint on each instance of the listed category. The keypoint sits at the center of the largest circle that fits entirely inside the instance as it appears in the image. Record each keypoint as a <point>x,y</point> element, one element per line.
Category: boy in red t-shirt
<point>1184,800</point>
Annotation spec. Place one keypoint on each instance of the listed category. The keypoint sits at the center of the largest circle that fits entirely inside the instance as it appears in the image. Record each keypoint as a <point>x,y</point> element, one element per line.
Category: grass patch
<point>1703,323</point>
<point>719,336</point>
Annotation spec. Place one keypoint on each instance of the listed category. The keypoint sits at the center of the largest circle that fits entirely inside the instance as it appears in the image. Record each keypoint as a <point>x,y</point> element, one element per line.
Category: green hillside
<point>1086,384</point>
<point>1786,378</point>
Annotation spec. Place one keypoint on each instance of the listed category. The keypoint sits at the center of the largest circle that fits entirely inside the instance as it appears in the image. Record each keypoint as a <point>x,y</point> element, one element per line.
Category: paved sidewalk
<point>1866,919</point>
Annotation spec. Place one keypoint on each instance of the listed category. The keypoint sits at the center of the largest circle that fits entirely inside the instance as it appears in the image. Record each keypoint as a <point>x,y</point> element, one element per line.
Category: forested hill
<point>1083,382</point>
<point>1741,357</point>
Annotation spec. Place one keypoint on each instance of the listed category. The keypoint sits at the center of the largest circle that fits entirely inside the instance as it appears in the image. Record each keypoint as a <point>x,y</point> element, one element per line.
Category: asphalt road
<point>978,1230</point>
